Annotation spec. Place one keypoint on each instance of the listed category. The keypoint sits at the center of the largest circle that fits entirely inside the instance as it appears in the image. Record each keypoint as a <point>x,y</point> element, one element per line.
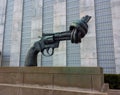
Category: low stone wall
<point>56,78</point>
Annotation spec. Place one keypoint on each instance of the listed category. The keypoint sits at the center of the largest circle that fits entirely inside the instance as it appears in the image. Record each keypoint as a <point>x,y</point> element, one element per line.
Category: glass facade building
<point>104,35</point>
<point>23,22</point>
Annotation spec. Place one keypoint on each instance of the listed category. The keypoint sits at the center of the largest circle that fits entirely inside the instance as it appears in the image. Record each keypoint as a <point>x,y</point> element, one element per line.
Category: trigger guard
<point>51,52</point>
<point>43,52</point>
<point>48,54</point>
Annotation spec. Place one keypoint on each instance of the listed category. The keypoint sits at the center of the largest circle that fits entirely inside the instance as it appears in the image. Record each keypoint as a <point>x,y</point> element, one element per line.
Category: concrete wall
<point>115,7</point>
<point>16,33</point>
<point>88,46</point>
<point>2,22</point>
<point>59,25</point>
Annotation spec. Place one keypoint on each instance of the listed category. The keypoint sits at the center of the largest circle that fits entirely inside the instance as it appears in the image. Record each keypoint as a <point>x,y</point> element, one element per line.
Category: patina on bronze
<point>50,41</point>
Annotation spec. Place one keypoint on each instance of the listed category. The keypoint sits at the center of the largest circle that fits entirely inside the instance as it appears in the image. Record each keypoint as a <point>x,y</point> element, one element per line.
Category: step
<point>114,92</point>
<point>22,89</point>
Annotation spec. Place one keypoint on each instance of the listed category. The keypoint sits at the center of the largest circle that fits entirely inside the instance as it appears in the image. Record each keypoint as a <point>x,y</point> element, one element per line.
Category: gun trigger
<point>44,52</point>
<point>48,51</point>
<point>52,51</point>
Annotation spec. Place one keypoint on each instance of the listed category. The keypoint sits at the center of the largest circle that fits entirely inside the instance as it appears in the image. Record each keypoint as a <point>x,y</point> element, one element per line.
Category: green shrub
<point>113,80</point>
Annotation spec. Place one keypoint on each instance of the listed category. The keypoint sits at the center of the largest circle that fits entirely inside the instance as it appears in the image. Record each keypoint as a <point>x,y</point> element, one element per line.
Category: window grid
<point>72,51</point>
<point>26,30</point>
<point>105,47</point>
<point>7,34</point>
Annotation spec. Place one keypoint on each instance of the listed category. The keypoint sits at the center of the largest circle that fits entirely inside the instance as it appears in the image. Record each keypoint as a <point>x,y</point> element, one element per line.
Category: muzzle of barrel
<point>79,29</point>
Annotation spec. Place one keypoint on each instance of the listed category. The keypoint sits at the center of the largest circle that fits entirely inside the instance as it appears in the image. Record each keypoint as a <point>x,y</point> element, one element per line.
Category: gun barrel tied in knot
<point>50,41</point>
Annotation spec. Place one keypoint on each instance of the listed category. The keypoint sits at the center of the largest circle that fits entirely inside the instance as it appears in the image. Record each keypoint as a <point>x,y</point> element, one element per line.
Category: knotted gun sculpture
<point>50,41</point>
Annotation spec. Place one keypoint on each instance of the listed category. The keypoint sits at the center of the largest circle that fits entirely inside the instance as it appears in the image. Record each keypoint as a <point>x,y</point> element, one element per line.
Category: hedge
<point>113,80</point>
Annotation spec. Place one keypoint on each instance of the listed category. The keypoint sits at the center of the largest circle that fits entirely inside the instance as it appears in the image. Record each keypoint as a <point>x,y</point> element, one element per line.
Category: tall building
<point>22,22</point>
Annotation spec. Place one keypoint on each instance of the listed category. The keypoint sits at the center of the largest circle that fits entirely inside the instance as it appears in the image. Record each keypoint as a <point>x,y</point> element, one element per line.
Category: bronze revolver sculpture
<point>50,41</point>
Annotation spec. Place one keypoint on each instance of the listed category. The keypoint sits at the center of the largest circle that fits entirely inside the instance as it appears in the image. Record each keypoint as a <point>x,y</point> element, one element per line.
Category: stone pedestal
<point>52,81</point>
